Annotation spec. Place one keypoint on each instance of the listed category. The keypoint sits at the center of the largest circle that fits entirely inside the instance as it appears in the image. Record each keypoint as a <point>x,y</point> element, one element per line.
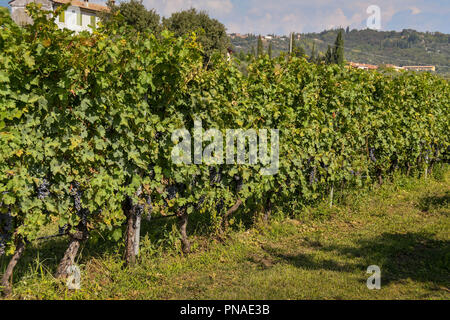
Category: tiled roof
<point>363,65</point>
<point>84,5</point>
<point>418,67</point>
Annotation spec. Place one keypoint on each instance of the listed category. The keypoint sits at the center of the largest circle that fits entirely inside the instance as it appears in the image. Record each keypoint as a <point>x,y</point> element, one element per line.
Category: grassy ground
<point>404,228</point>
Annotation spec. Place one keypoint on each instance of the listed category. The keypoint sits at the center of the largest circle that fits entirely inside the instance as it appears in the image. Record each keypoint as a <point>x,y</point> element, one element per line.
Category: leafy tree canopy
<point>135,14</point>
<point>211,33</point>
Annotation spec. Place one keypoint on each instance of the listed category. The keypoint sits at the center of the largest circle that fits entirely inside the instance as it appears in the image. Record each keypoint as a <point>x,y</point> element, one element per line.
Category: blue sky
<point>4,3</point>
<point>284,16</point>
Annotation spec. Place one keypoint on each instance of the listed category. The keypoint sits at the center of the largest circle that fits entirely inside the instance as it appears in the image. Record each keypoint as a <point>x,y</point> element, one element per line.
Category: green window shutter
<point>62,17</point>
<point>79,19</point>
<point>93,25</point>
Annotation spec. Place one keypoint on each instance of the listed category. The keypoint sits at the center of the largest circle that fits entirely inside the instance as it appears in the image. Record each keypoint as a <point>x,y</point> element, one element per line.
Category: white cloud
<point>415,10</point>
<point>167,7</point>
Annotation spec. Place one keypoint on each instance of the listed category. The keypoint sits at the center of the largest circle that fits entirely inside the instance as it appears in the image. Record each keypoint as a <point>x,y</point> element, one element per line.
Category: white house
<point>81,15</point>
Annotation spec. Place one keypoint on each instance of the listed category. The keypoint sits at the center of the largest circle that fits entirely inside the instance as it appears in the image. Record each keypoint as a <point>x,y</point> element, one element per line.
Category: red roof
<point>84,5</point>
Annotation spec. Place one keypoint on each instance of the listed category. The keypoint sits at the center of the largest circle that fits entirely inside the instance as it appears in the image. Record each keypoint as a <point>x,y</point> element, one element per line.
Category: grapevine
<point>83,149</point>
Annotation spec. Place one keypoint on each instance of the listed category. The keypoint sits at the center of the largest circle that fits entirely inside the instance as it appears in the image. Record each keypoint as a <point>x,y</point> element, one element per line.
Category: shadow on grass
<point>439,203</point>
<point>413,256</point>
<point>47,254</point>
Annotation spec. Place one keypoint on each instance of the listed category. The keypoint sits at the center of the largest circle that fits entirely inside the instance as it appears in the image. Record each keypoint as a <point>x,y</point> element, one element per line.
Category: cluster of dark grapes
<point>43,191</point>
<point>312,176</point>
<point>160,136</point>
<point>239,183</point>
<point>436,153</point>
<point>149,208</point>
<point>172,192</point>
<point>215,177</point>
<point>194,181</point>
<point>6,226</point>
<point>324,166</point>
<point>372,155</point>
<point>151,171</point>
<point>175,189</point>
<point>139,210</point>
<point>312,172</point>
<point>200,203</point>
<point>62,230</point>
<point>220,205</point>
<point>2,244</point>
<point>77,194</point>
<point>394,165</point>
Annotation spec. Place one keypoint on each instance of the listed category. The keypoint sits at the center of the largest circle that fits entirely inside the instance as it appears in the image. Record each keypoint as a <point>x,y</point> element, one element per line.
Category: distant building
<point>237,35</point>
<point>81,15</point>
<point>392,66</point>
<point>420,68</point>
<point>363,66</point>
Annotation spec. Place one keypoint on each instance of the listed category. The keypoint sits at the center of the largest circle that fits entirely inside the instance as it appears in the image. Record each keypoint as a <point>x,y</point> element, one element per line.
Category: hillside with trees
<point>407,47</point>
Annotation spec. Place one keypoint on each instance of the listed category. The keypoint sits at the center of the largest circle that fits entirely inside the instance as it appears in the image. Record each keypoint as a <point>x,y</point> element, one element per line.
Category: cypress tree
<point>297,49</point>
<point>312,58</point>
<point>338,52</point>
<point>260,48</point>
<point>270,50</point>
<point>329,56</point>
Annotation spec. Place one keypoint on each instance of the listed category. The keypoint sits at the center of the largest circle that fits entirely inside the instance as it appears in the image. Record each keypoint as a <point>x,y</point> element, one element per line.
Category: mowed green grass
<point>403,227</point>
